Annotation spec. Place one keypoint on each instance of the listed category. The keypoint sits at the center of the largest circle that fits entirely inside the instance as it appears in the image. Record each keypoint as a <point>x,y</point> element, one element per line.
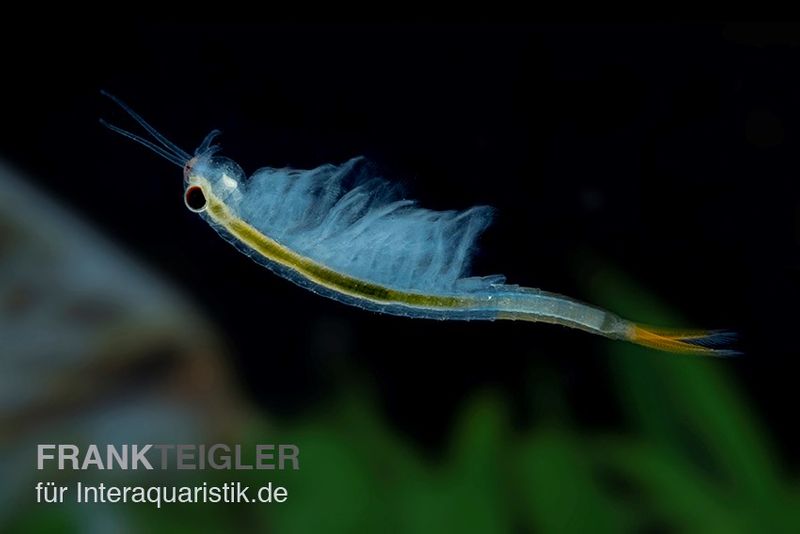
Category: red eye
<point>194,198</point>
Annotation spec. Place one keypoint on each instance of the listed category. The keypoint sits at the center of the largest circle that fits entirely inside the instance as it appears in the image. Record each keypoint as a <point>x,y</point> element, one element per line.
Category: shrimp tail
<point>694,342</point>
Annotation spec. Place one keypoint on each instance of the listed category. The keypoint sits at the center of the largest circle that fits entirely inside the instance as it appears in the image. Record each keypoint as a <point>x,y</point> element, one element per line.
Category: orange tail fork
<point>695,342</point>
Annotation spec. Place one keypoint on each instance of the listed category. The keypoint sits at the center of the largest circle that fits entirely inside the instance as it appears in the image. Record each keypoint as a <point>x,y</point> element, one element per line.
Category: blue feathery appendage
<point>346,218</point>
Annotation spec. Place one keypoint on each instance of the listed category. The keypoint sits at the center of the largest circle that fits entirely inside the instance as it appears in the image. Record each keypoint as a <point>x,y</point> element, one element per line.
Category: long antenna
<point>167,150</point>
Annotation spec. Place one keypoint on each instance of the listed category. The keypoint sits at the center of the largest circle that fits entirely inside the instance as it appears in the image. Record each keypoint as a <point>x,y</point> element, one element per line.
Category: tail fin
<point>696,342</point>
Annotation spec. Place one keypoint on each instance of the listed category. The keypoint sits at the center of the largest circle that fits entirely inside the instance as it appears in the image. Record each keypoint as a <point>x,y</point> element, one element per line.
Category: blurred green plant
<point>692,458</point>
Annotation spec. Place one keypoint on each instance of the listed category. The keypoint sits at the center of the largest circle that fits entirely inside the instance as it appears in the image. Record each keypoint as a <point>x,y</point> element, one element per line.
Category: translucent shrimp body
<point>342,232</point>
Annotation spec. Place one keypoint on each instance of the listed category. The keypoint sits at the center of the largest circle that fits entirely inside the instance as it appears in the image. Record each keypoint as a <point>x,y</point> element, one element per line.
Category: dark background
<point>667,151</point>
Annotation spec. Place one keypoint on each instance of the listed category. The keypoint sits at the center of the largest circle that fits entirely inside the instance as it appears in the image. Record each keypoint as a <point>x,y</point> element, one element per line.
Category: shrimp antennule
<point>168,150</point>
